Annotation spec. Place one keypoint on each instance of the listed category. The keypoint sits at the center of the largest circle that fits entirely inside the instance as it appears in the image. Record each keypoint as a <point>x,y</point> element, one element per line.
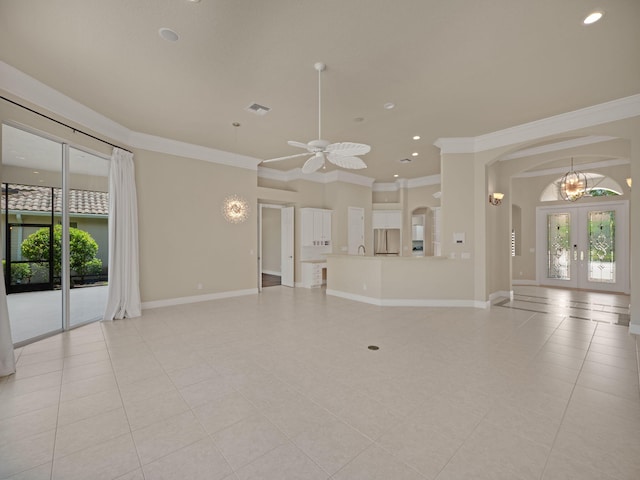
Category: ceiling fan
<point>341,154</point>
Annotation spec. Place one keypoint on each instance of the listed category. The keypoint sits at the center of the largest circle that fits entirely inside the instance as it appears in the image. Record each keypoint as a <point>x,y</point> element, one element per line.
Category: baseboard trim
<point>407,302</point>
<point>525,282</point>
<point>634,328</point>
<point>496,296</point>
<point>198,298</point>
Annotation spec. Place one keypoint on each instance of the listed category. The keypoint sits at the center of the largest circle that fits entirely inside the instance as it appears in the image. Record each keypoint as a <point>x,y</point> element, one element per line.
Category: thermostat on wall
<point>458,238</point>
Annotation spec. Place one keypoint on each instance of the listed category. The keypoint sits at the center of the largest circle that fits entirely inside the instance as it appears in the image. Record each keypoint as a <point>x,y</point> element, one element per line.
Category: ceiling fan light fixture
<point>341,154</point>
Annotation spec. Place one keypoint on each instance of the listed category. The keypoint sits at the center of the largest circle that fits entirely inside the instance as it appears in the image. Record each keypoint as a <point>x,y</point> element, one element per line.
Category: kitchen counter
<point>401,281</point>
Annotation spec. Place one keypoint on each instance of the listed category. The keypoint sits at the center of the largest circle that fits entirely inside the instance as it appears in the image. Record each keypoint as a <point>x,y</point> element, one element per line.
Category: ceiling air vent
<point>258,109</point>
<point>405,160</point>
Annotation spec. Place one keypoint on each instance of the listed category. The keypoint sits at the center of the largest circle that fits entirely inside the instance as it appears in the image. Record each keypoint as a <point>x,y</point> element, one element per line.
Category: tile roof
<point>33,198</point>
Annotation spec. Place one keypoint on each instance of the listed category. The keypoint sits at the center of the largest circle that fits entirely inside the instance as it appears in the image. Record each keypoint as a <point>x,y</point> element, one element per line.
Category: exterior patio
<point>34,314</point>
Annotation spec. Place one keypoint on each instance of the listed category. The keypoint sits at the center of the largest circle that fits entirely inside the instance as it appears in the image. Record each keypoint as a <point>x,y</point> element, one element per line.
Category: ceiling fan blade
<point>348,148</point>
<point>353,163</point>
<point>286,158</point>
<point>297,144</point>
<point>314,163</point>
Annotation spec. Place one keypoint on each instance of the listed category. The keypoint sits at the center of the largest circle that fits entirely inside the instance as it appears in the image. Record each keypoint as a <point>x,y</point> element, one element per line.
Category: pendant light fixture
<point>573,185</point>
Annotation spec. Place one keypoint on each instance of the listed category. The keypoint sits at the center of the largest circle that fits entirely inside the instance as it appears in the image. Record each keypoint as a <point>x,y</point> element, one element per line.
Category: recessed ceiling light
<point>416,137</point>
<point>414,154</point>
<point>235,124</point>
<point>593,17</point>
<point>36,172</point>
<point>395,175</point>
<point>194,1</point>
<point>389,105</point>
<point>168,34</point>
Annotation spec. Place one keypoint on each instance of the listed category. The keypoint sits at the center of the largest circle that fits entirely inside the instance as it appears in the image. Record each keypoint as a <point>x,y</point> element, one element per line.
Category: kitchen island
<point>402,281</point>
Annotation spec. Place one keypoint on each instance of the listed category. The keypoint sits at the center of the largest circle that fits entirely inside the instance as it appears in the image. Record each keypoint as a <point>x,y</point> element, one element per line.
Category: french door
<point>584,246</point>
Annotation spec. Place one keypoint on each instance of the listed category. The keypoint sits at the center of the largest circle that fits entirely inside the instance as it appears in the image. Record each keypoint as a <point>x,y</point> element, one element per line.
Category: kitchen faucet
<point>363,250</point>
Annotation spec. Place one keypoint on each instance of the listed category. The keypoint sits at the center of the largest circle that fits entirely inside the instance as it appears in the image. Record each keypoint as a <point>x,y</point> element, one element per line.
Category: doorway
<point>584,247</point>
<point>276,244</point>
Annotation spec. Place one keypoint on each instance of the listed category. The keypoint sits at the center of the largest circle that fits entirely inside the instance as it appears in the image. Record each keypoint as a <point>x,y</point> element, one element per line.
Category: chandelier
<point>573,185</point>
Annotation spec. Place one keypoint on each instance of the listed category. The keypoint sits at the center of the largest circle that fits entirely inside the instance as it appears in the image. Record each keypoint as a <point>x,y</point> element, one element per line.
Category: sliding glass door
<point>55,231</point>
<point>88,236</point>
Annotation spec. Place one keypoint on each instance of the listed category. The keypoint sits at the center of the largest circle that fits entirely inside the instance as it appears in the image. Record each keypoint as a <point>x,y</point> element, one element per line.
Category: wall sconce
<point>629,182</point>
<point>495,198</point>
<point>235,209</point>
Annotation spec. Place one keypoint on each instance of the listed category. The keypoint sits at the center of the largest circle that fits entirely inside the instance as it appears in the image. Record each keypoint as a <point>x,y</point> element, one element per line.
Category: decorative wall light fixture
<point>573,185</point>
<point>235,209</point>
<point>629,182</point>
<point>495,198</point>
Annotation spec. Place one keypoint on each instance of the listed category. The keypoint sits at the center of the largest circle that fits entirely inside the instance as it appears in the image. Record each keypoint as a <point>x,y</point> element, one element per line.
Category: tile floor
<point>283,386</point>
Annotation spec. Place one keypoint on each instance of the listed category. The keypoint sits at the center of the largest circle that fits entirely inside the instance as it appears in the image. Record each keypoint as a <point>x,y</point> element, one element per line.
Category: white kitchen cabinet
<point>313,274</point>
<point>387,219</point>
<point>316,227</point>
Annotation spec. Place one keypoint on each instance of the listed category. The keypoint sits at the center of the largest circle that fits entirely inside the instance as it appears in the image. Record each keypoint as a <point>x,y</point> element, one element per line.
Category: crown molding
<point>37,93</point>
<point>273,174</point>
<point>190,150</point>
<point>406,183</point>
<point>424,181</point>
<point>348,177</point>
<point>317,177</point>
<point>582,167</point>
<point>557,146</point>
<point>620,109</point>
<point>456,145</point>
<point>33,91</point>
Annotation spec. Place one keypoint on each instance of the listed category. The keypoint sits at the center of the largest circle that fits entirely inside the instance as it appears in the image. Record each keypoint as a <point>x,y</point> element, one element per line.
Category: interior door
<point>584,247</point>
<point>286,242</point>
<point>356,229</point>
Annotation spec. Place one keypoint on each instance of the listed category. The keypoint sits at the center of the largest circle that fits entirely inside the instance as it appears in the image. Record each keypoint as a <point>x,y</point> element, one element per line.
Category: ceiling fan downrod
<point>320,67</point>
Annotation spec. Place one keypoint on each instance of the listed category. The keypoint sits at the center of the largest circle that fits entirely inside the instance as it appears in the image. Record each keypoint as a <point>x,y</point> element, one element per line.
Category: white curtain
<point>7,359</point>
<point>124,290</point>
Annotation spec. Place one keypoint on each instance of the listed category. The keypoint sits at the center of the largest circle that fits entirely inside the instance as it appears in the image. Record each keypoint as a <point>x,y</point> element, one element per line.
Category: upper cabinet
<point>316,227</point>
<point>387,219</point>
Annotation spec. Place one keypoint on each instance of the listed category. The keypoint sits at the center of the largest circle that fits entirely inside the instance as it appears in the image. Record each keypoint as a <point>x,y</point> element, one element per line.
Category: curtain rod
<point>64,124</point>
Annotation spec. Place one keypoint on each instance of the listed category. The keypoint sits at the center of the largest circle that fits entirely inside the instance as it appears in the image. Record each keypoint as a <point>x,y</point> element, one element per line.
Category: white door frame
<point>285,233</point>
<point>287,239</point>
<point>578,239</point>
